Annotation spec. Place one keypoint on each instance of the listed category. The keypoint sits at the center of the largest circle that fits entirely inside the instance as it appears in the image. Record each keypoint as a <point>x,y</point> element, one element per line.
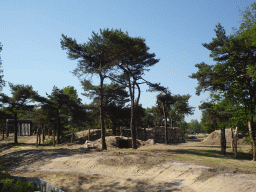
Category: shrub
<point>14,185</point>
<point>247,139</point>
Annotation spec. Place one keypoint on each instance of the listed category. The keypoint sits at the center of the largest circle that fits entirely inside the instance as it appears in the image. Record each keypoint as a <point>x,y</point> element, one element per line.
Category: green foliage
<point>248,139</point>
<point>195,126</point>
<point>180,109</point>
<point>13,185</point>
<point>183,125</point>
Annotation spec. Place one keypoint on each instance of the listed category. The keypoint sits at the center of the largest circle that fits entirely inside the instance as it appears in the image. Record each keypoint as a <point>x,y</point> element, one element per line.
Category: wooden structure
<point>24,127</point>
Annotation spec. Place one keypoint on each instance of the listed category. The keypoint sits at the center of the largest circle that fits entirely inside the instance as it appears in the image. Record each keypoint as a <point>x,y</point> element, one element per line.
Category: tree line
<point>114,55</point>
<point>231,81</point>
<point>109,54</point>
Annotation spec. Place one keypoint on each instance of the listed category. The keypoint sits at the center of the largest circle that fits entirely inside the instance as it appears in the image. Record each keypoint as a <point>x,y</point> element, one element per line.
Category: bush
<point>247,139</point>
<point>13,185</point>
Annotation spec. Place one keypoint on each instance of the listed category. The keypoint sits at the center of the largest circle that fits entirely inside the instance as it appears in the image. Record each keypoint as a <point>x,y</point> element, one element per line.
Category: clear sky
<point>30,32</point>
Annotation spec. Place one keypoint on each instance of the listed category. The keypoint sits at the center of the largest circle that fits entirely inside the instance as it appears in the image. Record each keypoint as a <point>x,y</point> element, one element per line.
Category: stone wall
<point>175,134</point>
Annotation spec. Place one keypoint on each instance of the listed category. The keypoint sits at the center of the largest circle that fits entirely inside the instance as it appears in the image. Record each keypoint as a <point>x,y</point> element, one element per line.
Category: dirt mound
<point>111,141</point>
<point>214,138</point>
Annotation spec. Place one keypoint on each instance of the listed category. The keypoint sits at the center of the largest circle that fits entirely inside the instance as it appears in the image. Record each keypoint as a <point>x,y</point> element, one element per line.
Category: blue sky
<point>30,33</point>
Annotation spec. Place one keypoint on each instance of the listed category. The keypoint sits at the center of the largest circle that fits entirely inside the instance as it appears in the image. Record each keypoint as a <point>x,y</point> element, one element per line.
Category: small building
<point>24,126</point>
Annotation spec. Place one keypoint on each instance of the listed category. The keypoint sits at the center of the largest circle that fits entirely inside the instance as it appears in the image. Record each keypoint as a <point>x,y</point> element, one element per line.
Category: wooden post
<point>232,139</point>
<point>235,141</point>
<point>223,141</point>
<point>37,134</point>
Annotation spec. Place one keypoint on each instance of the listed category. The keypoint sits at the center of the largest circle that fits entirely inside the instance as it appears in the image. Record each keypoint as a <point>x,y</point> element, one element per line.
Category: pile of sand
<point>214,138</point>
<point>112,143</point>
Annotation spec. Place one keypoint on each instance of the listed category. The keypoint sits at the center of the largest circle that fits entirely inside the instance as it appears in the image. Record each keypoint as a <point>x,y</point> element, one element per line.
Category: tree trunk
<point>113,128</point>
<point>223,141</point>
<point>89,134</point>
<point>37,134</point>
<point>145,133</point>
<point>72,137</point>
<point>155,132</point>
<point>165,123</point>
<point>235,142</point>
<point>7,129</point>
<point>48,133</point>
<point>121,132</point>
<point>3,133</point>
<point>43,132</point>
<point>15,129</point>
<point>58,129</point>
<point>252,138</point>
<point>232,139</point>
<point>132,127</point>
<point>103,141</point>
<point>53,139</point>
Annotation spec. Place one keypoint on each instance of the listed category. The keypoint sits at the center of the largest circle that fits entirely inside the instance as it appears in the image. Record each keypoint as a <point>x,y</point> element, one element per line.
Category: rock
<point>151,141</point>
<point>89,145</point>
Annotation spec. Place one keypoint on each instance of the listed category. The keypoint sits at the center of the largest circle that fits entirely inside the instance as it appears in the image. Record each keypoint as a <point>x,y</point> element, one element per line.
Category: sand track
<point>130,172</point>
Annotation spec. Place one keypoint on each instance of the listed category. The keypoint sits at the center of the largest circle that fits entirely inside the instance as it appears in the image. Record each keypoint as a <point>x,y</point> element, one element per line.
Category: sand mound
<point>112,142</point>
<point>214,138</point>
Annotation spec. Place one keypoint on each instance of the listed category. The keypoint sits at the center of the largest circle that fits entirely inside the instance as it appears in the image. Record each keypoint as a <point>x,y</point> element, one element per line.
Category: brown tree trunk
<point>3,133</point>
<point>44,132</point>
<point>48,132</point>
<point>113,128</point>
<point>72,137</point>
<point>37,135</point>
<point>103,133</point>
<point>232,139</point>
<point>252,138</point>
<point>7,129</point>
<point>58,129</point>
<point>235,142</point>
<point>165,123</point>
<point>145,133</point>
<point>132,127</point>
<point>89,134</point>
<point>223,141</point>
<point>121,131</point>
<point>53,139</point>
<point>15,129</point>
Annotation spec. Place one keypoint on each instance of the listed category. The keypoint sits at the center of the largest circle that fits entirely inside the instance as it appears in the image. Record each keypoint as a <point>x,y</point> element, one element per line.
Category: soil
<point>84,167</point>
<point>214,138</point>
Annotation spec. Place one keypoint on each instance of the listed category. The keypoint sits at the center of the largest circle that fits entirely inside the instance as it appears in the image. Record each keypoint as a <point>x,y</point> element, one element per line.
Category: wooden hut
<point>24,126</point>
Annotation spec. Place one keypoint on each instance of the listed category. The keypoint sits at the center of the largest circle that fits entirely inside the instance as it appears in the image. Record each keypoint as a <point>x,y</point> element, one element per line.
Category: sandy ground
<point>77,168</point>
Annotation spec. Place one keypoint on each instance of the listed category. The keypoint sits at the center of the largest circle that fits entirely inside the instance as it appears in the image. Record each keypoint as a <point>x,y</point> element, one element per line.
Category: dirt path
<point>115,171</point>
